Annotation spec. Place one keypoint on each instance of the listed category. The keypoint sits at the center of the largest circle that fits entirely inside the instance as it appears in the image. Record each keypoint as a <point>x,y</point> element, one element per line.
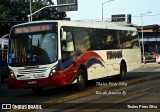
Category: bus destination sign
<point>33,28</point>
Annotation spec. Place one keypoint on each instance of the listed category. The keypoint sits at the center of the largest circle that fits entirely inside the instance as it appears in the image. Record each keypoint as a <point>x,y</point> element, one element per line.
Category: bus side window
<point>67,46</point>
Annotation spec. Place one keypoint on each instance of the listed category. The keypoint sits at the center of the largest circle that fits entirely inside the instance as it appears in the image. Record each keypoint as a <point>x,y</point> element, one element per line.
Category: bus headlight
<point>12,74</point>
<point>53,71</point>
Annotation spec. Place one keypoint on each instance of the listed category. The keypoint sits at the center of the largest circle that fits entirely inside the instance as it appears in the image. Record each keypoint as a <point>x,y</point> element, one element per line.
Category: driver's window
<point>67,46</point>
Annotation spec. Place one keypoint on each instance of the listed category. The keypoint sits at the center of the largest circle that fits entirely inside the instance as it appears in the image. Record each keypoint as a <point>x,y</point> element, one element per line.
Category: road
<point>140,91</point>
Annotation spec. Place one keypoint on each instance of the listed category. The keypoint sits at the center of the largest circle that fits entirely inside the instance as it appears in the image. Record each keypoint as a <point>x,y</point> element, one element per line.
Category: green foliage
<point>16,12</point>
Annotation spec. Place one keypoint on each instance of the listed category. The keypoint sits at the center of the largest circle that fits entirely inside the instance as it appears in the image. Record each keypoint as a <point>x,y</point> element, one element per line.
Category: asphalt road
<point>143,97</point>
<point>130,86</point>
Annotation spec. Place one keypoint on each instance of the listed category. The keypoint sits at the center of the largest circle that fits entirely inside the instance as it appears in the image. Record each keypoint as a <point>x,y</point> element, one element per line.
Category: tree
<point>16,11</point>
<point>48,13</point>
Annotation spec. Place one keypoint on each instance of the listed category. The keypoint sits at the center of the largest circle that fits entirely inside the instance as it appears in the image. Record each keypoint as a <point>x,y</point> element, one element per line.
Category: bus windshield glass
<point>33,49</point>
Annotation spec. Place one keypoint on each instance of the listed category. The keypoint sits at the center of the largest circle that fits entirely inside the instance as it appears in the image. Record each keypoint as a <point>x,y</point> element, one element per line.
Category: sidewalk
<point>151,63</point>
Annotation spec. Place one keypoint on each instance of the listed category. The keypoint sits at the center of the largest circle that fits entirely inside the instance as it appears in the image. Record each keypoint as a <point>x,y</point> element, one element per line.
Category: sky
<point>92,10</point>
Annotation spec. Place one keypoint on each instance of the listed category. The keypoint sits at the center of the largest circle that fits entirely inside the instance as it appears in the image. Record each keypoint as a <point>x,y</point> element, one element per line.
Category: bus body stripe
<point>88,58</point>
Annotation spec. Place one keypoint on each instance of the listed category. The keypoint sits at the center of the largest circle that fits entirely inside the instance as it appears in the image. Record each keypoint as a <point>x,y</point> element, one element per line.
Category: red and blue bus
<point>58,53</point>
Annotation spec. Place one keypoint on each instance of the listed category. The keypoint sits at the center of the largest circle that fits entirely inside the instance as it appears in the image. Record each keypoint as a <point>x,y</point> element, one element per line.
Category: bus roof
<point>102,25</point>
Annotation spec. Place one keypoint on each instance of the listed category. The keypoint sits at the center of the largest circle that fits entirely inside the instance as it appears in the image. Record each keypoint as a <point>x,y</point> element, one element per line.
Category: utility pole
<point>142,14</point>
<point>102,7</point>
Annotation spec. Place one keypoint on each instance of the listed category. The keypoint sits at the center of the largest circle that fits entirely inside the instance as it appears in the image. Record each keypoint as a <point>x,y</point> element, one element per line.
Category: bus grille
<point>32,73</point>
<point>32,70</point>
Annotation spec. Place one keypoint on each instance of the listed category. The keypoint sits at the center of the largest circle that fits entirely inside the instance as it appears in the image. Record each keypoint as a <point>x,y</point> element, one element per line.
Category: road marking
<point>157,70</point>
<point>89,92</point>
<point>115,101</point>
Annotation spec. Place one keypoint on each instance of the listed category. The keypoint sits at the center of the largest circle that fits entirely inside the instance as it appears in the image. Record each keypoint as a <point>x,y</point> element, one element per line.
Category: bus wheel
<point>122,74</point>
<point>123,71</point>
<point>37,90</point>
<point>81,80</point>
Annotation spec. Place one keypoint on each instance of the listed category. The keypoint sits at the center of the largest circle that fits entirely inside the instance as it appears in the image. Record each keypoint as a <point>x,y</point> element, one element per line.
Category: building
<point>151,33</point>
<point>151,37</point>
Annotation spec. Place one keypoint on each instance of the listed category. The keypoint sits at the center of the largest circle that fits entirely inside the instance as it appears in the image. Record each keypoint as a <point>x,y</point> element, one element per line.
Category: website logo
<point>6,106</point>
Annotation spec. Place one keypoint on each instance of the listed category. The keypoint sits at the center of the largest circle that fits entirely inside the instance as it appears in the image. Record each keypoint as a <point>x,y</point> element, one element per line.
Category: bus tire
<point>81,80</point>
<point>122,74</point>
<point>37,90</point>
<point>123,71</point>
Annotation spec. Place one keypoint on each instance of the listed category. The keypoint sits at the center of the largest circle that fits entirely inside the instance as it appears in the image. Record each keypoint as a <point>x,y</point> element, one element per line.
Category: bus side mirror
<point>3,42</point>
<point>63,36</point>
<point>2,46</point>
<point>64,43</point>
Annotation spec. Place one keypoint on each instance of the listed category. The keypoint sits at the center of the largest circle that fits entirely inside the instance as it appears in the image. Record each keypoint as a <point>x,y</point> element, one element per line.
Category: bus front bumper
<point>58,80</point>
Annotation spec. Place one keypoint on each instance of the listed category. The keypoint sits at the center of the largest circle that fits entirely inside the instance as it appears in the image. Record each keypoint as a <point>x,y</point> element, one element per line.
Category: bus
<point>58,53</point>
<point>3,57</point>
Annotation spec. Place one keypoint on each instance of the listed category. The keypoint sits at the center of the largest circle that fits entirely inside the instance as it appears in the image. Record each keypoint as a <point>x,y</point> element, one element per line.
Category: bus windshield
<point>33,49</point>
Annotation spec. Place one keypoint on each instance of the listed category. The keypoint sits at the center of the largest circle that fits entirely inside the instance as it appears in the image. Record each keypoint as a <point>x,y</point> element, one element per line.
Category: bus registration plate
<point>38,75</point>
<point>32,82</point>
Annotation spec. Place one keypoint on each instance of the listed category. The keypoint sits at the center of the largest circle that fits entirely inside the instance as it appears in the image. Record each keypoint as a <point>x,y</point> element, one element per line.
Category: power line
<point>148,15</point>
<point>12,21</point>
